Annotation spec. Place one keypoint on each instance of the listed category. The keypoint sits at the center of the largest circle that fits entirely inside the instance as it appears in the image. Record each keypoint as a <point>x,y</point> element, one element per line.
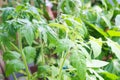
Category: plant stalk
<point>41,57</point>
<point>3,47</point>
<point>15,78</point>
<point>43,60</point>
<point>23,56</point>
<point>15,47</point>
<point>61,66</point>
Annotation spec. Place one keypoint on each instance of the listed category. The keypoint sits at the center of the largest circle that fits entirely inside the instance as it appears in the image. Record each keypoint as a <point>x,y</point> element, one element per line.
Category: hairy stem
<point>15,78</point>
<point>15,47</point>
<point>41,55</point>
<point>23,56</point>
<point>3,47</point>
<point>61,66</point>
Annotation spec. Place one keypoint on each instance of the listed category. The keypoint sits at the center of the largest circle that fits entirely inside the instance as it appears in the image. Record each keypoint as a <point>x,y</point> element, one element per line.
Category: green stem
<point>3,47</point>
<point>61,66</point>
<point>23,56</point>
<point>15,47</point>
<point>26,66</point>
<point>37,46</point>
<point>43,60</point>
<point>58,8</point>
<point>41,57</point>
<point>14,76</point>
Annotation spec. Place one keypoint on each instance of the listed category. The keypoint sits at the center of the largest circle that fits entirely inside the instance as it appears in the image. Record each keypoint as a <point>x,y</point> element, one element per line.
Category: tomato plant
<point>82,43</point>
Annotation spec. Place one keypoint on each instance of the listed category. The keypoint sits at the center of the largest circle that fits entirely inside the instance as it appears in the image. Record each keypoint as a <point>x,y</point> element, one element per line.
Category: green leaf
<point>43,69</point>
<point>109,76</point>
<point>52,37</point>
<point>11,55</point>
<point>29,35</point>
<point>92,16</point>
<point>113,33</point>
<point>42,33</point>
<point>27,31</point>
<point>107,21</point>
<point>115,47</point>
<point>96,74</point>
<point>96,48</point>
<point>19,7</point>
<point>104,3</point>
<point>96,45</point>
<point>55,71</point>
<point>91,77</point>
<point>109,14</point>
<point>68,22</point>
<point>96,63</point>
<point>13,66</point>
<point>78,61</point>
<point>98,29</point>
<point>66,77</point>
<point>113,67</point>
<point>30,54</point>
<point>53,40</point>
<point>117,21</point>
<point>7,13</point>
<point>33,10</point>
<point>61,26</point>
<point>5,39</point>
<point>84,51</point>
<point>64,45</point>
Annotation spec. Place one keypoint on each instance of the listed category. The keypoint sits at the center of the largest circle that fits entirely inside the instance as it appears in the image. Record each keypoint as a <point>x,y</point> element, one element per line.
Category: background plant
<point>82,43</point>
